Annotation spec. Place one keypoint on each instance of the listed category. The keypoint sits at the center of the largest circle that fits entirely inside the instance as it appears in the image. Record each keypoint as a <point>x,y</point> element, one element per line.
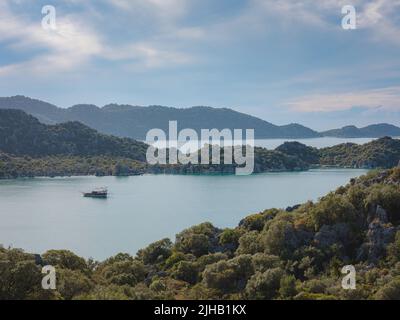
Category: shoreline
<point>319,167</point>
<point>383,153</point>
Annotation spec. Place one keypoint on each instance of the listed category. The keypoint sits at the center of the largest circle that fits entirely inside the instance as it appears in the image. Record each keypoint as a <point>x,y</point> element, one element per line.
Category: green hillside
<point>24,135</point>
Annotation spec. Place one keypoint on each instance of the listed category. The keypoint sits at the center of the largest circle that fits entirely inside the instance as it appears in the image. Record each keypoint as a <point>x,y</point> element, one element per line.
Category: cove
<point>44,213</point>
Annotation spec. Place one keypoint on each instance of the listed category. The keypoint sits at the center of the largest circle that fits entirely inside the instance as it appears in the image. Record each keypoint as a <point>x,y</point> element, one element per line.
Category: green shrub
<point>71,283</point>
<point>333,209</point>
<point>264,285</point>
<point>124,272</point>
<point>262,262</point>
<point>280,238</point>
<point>156,252</point>
<point>65,259</point>
<point>230,238</point>
<point>388,197</point>
<point>228,275</point>
<point>197,240</point>
<point>390,291</point>
<point>249,243</point>
<point>186,271</point>
<point>287,287</point>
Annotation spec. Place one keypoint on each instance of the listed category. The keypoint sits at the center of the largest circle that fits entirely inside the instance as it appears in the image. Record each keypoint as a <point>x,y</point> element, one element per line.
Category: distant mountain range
<point>135,121</point>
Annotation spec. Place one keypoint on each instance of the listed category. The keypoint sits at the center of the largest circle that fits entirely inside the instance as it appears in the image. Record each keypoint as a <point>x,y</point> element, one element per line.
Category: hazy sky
<point>284,61</point>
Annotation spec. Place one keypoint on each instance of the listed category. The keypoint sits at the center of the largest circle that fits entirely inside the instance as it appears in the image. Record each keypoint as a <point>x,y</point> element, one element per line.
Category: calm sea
<point>50,213</point>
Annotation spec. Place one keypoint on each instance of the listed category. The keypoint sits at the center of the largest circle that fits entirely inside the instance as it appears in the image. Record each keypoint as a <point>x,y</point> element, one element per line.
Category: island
<point>29,148</point>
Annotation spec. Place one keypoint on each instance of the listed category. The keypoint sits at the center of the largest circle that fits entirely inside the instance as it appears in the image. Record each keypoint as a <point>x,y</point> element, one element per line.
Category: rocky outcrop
<point>293,208</point>
<point>380,233</point>
<point>334,234</point>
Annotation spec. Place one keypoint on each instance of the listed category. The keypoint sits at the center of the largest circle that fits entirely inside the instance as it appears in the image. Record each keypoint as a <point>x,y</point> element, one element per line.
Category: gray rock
<point>380,234</point>
<point>330,235</point>
<point>291,209</point>
<point>377,213</point>
<point>381,214</point>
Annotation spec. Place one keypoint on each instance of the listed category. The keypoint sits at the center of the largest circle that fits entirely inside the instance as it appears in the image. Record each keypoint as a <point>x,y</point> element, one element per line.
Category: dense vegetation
<point>29,148</point>
<point>381,153</point>
<point>24,135</point>
<point>372,131</point>
<point>51,166</point>
<point>295,253</point>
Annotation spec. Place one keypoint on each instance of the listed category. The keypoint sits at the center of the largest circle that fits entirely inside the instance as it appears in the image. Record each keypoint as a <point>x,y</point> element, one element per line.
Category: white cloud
<point>67,47</point>
<point>385,98</point>
<point>167,10</point>
<point>75,43</point>
<point>292,11</point>
<point>146,55</point>
<point>381,17</point>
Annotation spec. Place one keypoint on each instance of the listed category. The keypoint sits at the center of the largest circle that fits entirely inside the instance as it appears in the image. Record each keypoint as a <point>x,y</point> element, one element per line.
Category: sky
<point>283,61</point>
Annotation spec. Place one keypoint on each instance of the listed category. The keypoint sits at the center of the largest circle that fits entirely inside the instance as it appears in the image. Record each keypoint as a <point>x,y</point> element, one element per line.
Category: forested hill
<point>380,153</point>
<point>372,131</point>
<point>134,121</point>
<point>22,134</point>
<point>29,148</point>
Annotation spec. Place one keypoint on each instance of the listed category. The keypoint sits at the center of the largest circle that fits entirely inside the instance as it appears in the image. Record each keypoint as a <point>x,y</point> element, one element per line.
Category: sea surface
<point>50,213</point>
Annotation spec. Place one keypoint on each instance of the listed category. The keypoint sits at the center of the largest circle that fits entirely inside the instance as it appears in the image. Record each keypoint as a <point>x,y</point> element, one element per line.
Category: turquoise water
<point>44,213</point>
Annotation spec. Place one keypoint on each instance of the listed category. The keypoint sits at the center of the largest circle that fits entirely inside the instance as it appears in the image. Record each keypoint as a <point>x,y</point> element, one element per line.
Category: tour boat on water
<point>97,193</point>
